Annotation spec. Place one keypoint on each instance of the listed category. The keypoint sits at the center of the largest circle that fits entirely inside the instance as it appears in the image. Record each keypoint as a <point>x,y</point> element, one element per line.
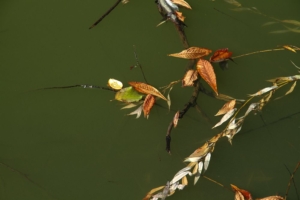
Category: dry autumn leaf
<point>221,55</point>
<point>226,107</point>
<point>206,71</point>
<point>245,193</point>
<point>289,48</point>
<point>189,78</point>
<point>180,16</point>
<point>146,89</point>
<point>175,119</point>
<point>182,3</point>
<point>148,104</point>
<point>192,53</point>
<point>149,194</point>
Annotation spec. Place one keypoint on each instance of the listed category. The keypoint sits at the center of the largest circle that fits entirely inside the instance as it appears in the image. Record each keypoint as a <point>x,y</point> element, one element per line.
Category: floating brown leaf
<point>206,71</point>
<point>192,53</point>
<point>226,107</point>
<point>146,89</point>
<point>189,78</point>
<point>221,55</point>
<point>148,104</point>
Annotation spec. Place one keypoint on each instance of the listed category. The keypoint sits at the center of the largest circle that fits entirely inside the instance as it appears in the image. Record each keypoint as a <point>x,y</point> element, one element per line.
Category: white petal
<point>225,117</point>
<point>200,167</point>
<point>180,176</point>
<point>137,112</point>
<point>206,161</point>
<point>171,4</point>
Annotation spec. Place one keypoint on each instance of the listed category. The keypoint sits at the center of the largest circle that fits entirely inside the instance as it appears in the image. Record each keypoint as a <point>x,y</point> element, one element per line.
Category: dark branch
<point>105,14</point>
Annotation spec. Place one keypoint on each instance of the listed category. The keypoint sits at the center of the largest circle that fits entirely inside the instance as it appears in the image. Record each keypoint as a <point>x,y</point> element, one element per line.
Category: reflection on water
<point>77,144</point>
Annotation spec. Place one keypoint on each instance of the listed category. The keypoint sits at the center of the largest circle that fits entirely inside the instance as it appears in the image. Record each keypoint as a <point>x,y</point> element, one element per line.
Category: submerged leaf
<point>189,78</point>
<point>289,48</point>
<point>206,71</point>
<point>233,2</point>
<point>225,117</point>
<point>226,107</point>
<point>146,89</point>
<point>148,104</point>
<point>279,31</point>
<point>128,94</point>
<point>269,23</point>
<point>182,3</point>
<point>294,22</point>
<point>295,30</point>
<point>192,53</point>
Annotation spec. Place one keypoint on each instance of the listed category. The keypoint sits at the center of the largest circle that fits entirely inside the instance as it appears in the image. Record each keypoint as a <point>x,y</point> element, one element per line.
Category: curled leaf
<point>146,89</point>
<point>226,107</point>
<point>175,119</point>
<point>252,106</point>
<point>225,117</point>
<point>149,194</point>
<point>192,53</point>
<point>267,89</point>
<point>289,48</point>
<point>206,161</point>
<point>184,181</point>
<point>148,104</point>
<point>180,176</point>
<point>189,78</point>
<point>197,176</point>
<point>221,55</point>
<point>137,112</point>
<point>182,3</point>
<point>245,193</point>
<point>292,88</point>
<point>206,71</point>
<point>199,153</point>
<point>180,16</point>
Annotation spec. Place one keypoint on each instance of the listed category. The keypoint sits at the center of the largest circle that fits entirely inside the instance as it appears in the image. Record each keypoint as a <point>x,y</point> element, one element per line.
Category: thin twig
<point>138,63</point>
<point>292,178</point>
<point>83,86</point>
<point>105,14</point>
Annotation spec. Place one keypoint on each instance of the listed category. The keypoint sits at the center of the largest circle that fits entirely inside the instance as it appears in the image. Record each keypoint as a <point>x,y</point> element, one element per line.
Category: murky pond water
<point>77,144</point>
